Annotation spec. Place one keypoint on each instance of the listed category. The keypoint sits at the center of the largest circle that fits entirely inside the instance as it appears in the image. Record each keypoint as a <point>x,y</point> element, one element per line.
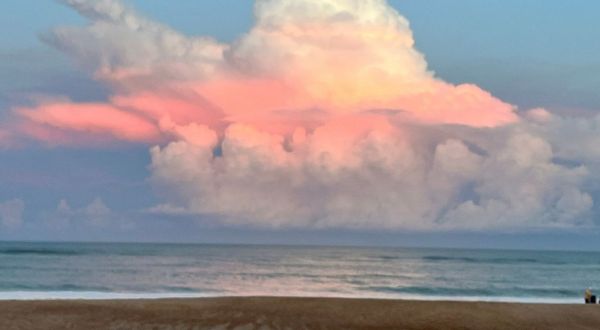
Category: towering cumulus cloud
<point>322,115</point>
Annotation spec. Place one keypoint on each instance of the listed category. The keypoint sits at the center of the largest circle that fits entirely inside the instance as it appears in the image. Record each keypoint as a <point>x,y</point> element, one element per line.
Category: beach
<point>292,313</point>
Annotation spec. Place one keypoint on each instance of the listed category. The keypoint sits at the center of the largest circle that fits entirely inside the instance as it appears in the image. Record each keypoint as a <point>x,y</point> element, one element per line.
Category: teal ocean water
<point>76,270</point>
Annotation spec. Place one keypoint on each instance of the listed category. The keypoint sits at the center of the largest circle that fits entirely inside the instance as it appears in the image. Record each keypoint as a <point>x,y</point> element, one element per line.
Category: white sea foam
<point>94,295</point>
<point>91,295</point>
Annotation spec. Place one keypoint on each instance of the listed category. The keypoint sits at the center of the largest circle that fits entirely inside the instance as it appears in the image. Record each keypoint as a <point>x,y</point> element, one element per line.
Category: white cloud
<point>125,48</point>
<point>507,179</point>
<point>168,209</point>
<point>96,213</point>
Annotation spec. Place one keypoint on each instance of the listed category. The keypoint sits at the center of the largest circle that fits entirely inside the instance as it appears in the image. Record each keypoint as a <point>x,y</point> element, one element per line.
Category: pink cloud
<point>301,65</point>
<point>92,118</point>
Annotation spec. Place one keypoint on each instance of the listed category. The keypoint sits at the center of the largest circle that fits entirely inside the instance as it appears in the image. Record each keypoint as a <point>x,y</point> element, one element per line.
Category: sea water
<point>113,271</point>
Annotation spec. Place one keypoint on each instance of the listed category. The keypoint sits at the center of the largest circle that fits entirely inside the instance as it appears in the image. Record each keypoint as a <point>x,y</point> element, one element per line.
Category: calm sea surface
<point>76,270</point>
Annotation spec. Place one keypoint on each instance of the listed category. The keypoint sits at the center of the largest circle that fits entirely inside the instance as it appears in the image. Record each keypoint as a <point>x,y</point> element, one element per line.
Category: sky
<point>336,122</point>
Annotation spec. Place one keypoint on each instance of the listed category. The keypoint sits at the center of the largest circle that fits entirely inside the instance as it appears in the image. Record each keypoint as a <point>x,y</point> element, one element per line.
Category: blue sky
<point>529,53</point>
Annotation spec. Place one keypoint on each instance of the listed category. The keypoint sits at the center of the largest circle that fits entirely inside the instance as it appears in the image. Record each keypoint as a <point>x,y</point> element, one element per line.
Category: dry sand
<point>292,313</point>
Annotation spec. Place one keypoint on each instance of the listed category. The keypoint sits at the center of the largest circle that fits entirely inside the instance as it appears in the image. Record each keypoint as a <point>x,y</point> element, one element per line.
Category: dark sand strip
<point>292,313</point>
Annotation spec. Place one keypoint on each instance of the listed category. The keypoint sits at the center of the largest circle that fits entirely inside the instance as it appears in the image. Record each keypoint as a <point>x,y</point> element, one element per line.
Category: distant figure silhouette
<point>589,296</point>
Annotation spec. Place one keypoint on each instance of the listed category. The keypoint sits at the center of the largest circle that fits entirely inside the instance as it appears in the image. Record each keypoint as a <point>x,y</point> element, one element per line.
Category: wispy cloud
<point>95,214</point>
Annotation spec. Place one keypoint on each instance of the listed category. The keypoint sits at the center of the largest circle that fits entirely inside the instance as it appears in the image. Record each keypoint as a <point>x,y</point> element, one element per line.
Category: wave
<point>94,295</point>
<point>73,252</point>
<point>386,257</point>
<point>434,291</point>
<point>4,288</point>
<point>99,295</point>
<point>41,251</point>
<point>489,260</point>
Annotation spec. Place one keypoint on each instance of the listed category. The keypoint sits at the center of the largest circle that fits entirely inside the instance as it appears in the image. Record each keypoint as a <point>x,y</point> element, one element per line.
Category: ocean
<point>116,270</point>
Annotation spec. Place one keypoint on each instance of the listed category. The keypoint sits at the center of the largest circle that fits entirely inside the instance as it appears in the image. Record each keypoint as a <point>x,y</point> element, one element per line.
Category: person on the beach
<point>588,295</point>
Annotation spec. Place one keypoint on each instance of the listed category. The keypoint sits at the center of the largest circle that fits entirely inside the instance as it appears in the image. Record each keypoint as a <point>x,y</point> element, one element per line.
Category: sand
<point>292,313</point>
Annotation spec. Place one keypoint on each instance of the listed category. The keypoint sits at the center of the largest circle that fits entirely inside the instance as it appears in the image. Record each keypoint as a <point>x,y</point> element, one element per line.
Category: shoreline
<point>294,313</point>
<point>100,295</point>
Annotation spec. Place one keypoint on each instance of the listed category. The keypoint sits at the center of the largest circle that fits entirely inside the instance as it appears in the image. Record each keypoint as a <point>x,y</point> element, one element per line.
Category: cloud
<point>96,214</point>
<point>341,58</point>
<point>11,213</point>
<point>168,209</point>
<point>376,180</point>
<point>124,48</point>
<point>323,115</point>
<point>84,118</point>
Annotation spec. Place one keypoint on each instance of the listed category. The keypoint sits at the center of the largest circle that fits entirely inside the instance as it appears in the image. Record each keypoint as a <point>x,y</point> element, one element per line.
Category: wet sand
<point>292,313</point>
